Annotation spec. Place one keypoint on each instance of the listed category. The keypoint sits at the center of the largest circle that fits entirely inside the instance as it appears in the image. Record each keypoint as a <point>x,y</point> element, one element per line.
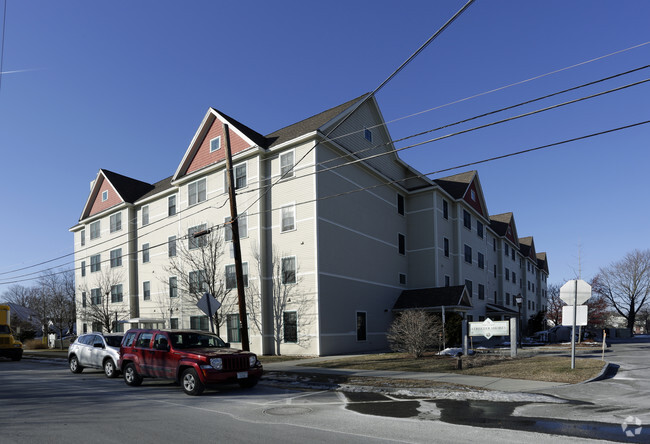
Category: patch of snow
<point>457,351</point>
<point>460,395</point>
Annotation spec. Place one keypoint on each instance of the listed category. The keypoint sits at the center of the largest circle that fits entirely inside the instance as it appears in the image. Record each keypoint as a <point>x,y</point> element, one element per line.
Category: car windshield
<point>4,329</point>
<point>193,340</point>
<point>113,341</point>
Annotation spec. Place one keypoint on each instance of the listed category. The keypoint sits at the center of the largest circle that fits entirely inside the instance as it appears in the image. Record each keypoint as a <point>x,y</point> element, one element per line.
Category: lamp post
<point>519,301</point>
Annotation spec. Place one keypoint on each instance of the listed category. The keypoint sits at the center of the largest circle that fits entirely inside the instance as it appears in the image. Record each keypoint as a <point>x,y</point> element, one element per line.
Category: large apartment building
<point>338,234</point>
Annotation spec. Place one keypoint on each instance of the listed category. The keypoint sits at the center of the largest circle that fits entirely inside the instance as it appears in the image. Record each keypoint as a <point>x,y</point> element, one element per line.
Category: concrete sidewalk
<point>302,366</point>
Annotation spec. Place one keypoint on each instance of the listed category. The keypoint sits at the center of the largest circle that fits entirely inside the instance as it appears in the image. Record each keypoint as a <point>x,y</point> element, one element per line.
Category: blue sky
<point>123,85</point>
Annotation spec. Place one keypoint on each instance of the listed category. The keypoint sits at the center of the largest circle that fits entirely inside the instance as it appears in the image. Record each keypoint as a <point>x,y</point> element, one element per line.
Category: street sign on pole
<point>581,315</point>
<point>568,292</point>
<point>209,305</point>
<point>574,292</point>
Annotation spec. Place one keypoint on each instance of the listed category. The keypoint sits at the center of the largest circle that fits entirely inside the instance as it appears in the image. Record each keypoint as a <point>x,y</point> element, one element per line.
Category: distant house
<point>359,231</point>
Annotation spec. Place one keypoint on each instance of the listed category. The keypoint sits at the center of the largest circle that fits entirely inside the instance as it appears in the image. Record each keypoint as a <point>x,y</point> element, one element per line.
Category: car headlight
<point>252,360</point>
<point>216,363</point>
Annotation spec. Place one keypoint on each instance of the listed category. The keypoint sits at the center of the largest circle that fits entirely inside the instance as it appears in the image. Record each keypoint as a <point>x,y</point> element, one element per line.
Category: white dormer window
<point>215,144</point>
<point>367,134</point>
<point>104,196</point>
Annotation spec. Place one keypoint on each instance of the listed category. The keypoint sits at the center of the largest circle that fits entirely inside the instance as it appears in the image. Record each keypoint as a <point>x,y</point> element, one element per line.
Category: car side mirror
<point>162,347</point>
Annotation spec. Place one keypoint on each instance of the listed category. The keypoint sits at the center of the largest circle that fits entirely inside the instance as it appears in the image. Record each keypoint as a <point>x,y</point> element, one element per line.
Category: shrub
<point>414,332</point>
<point>35,344</point>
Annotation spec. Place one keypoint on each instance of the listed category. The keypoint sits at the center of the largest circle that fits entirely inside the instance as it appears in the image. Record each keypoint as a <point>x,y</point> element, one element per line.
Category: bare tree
<point>57,290</point>
<point>286,304</point>
<point>197,265</point>
<point>18,294</point>
<point>554,304</point>
<point>414,332</point>
<point>103,304</point>
<point>626,284</point>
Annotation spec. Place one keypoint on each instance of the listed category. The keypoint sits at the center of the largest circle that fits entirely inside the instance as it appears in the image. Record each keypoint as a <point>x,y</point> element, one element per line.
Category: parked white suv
<point>96,350</point>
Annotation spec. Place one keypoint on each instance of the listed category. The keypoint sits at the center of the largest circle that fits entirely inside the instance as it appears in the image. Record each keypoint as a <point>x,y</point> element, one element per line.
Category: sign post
<point>574,292</point>
<point>209,305</point>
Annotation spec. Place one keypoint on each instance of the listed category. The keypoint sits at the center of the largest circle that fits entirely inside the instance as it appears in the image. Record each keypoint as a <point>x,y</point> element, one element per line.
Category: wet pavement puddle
<point>489,414</point>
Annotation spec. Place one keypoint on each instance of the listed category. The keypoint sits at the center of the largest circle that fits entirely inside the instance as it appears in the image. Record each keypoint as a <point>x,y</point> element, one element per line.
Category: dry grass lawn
<point>537,368</point>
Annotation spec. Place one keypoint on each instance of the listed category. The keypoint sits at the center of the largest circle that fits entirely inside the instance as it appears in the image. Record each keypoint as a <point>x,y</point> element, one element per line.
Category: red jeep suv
<point>193,358</point>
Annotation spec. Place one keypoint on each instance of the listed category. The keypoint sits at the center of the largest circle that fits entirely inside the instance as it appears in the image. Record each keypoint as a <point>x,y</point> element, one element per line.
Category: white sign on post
<point>489,328</point>
<point>568,292</point>
<point>581,315</point>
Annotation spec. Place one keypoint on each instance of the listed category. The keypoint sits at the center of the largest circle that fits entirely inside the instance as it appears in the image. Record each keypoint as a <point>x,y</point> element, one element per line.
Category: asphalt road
<point>43,401</point>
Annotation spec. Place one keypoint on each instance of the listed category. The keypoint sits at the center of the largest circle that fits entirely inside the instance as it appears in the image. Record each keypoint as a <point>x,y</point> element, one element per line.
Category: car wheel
<point>192,385</point>
<point>131,376</point>
<point>248,382</point>
<point>75,367</point>
<point>109,368</point>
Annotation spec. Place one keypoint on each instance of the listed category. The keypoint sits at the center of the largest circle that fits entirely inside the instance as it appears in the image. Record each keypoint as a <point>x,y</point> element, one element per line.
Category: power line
<point>387,152</point>
<point>392,182</point>
<point>2,44</point>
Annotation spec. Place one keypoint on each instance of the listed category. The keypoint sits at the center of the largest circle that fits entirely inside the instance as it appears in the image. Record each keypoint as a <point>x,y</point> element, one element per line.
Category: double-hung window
<point>171,246</point>
<point>233,327</point>
<point>116,222</point>
<point>198,282</point>
<point>240,176</point>
<point>145,215</point>
<point>116,293</point>
<point>468,254</point>
<point>231,276</point>
<point>288,218</point>
<point>116,258</point>
<point>290,324</point>
<point>146,290</point>
<point>171,205</point>
<point>196,242</point>
<point>95,229</point>
<point>83,268</point>
<point>467,219</point>
<point>286,165</point>
<point>95,263</point>
<point>95,296</point>
<point>173,287</point>
<point>145,253</point>
<point>196,192</point>
<point>479,229</point>
<point>481,260</point>
<point>289,270</point>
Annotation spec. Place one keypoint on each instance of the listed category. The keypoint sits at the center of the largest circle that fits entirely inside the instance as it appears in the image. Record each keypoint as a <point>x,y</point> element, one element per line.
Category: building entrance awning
<point>453,299</point>
<point>494,309</point>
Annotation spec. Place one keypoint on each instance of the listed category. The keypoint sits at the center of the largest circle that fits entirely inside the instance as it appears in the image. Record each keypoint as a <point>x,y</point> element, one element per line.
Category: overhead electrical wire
<point>347,155</point>
<point>392,182</point>
<point>384,153</point>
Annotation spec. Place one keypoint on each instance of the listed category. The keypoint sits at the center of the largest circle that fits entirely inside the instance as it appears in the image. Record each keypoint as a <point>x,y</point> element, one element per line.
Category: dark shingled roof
<point>256,137</point>
<point>542,261</point>
<point>433,298</point>
<point>308,125</point>
<point>130,189</point>
<point>457,184</point>
<point>499,223</point>
<point>525,244</point>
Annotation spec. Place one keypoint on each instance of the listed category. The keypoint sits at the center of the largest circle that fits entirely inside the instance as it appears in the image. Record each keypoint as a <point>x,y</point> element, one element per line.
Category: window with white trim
<point>95,263</point>
<point>83,268</point>
<point>116,293</point>
<point>215,144</point>
<point>196,192</point>
<point>146,290</point>
<point>240,175</point>
<point>231,276</point>
<point>116,222</point>
<point>242,224</point>
<point>145,215</point>
<point>290,326</point>
<point>116,258</point>
<point>288,270</point>
<point>468,254</point>
<point>288,214</point>
<point>95,229</point>
<point>145,253</point>
<point>467,219</point>
<point>173,287</point>
<point>104,195</point>
<point>95,296</point>
<point>198,281</point>
<point>233,327</point>
<point>286,164</point>
<point>83,237</point>
<point>196,242</point>
<point>171,246</point>
<point>171,205</point>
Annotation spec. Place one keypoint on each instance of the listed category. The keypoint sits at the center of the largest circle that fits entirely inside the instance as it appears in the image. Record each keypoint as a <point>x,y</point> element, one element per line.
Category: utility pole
<point>234,224</point>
